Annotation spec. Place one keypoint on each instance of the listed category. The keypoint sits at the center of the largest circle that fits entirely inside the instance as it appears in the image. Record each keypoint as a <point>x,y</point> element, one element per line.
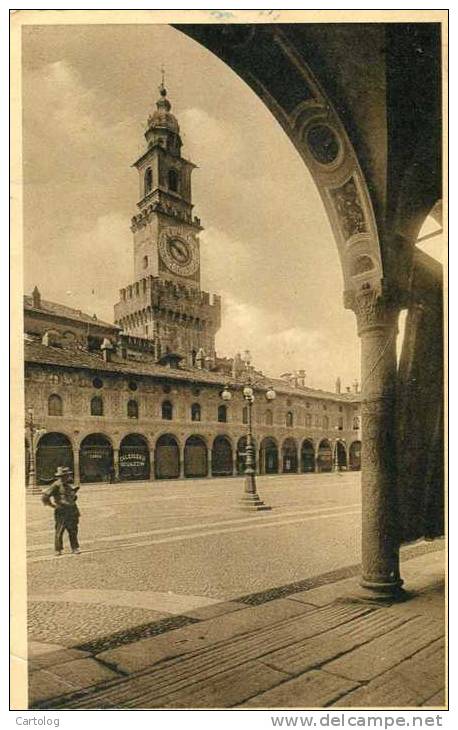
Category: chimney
<point>107,349</point>
<point>355,386</point>
<point>300,379</point>
<point>338,385</point>
<point>348,389</point>
<point>36,298</point>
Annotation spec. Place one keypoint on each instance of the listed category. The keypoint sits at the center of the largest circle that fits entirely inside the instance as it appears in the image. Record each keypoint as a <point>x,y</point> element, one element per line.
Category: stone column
<point>116,464</point>
<point>377,319</point>
<point>209,462</point>
<point>181,462</point>
<point>76,465</point>
<point>234,462</point>
<point>151,466</point>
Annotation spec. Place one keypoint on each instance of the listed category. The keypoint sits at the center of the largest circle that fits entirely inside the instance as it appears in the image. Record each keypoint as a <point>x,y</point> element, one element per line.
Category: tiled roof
<point>35,352</point>
<point>60,310</point>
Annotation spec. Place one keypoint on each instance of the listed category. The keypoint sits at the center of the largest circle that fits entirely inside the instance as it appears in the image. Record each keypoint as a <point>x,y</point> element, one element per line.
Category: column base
<point>381,591</point>
<point>253,503</point>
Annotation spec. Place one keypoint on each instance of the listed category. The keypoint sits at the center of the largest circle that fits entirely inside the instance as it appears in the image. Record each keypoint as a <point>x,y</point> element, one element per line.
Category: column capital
<point>374,309</point>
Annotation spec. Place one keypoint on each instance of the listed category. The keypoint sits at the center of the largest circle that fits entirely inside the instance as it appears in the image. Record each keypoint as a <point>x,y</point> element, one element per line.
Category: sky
<point>267,247</point>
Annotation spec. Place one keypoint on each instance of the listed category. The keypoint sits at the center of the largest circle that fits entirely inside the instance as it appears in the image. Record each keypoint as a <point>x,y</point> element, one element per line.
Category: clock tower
<point>165,303</point>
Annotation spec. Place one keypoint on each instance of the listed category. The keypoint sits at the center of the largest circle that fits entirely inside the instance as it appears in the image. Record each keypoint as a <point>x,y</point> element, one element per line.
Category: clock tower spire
<point>165,302</point>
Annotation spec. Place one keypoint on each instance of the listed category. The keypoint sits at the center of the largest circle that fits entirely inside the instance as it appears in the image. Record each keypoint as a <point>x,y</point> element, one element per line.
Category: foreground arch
<point>54,449</point>
<point>222,457</point>
<point>167,457</point>
<point>195,457</point>
<point>96,459</point>
<point>134,461</point>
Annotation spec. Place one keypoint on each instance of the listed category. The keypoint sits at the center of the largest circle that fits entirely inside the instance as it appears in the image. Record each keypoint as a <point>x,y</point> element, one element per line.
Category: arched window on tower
<point>55,405</point>
<point>96,406</point>
<point>145,266</point>
<point>148,180</point>
<point>289,419</point>
<point>173,180</point>
<point>132,409</point>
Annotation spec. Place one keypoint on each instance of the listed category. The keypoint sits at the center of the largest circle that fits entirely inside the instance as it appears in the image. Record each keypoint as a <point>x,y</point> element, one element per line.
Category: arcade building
<point>142,399</point>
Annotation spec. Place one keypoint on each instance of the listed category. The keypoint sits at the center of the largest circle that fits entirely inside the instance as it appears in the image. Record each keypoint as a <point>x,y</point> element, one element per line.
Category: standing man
<point>61,496</point>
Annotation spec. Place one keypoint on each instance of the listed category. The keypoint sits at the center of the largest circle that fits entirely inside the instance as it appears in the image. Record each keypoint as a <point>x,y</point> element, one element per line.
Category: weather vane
<point>163,76</point>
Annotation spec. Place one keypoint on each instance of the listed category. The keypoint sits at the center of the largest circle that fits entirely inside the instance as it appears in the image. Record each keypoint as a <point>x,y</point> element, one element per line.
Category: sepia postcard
<point>228,260</point>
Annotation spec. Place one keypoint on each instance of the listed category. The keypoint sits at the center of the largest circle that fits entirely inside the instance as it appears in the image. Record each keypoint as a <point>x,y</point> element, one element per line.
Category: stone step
<point>171,678</point>
<point>409,684</point>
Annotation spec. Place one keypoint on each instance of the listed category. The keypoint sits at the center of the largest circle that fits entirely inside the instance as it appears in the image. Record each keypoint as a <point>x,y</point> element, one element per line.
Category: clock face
<point>179,252</point>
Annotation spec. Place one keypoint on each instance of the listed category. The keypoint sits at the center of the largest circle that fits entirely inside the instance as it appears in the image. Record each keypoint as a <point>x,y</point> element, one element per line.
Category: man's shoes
<point>76,551</point>
<point>58,552</point>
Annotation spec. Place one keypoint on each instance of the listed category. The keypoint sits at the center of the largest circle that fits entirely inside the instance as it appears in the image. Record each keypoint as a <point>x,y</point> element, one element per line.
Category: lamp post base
<point>253,503</point>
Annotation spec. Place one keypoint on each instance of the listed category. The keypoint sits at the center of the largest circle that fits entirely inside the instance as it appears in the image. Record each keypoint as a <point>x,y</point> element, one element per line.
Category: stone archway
<point>307,456</point>
<point>195,457</point>
<point>289,456</point>
<point>355,456</point>
<point>303,73</point>
<point>167,457</point>
<point>324,456</point>
<point>269,456</point>
<point>96,459</point>
<point>340,456</point>
<point>54,449</point>
<point>222,457</point>
<point>134,462</point>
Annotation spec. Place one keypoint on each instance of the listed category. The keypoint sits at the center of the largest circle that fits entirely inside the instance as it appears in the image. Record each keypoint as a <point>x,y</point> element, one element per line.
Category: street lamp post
<point>251,499</point>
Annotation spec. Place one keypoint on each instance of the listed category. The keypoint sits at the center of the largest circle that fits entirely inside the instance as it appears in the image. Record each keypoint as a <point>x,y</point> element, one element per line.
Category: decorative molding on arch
<point>299,104</point>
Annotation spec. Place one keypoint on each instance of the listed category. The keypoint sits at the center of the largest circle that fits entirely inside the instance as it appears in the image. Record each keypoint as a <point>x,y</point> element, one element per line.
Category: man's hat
<point>61,470</point>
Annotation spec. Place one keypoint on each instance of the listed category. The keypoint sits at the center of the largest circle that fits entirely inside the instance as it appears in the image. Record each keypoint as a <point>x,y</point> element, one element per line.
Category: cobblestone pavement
<point>154,550</point>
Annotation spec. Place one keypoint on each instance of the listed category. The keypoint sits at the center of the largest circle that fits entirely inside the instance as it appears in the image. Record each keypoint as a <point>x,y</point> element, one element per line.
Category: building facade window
<point>196,413</point>
<point>317,421</point>
<point>222,414</point>
<point>308,419</point>
<point>356,423</point>
<point>340,423</point>
<point>96,406</point>
<point>55,407</point>
<point>269,418</point>
<point>132,409</point>
<point>289,419</point>
<point>245,415</point>
<point>148,180</point>
<point>167,410</point>
<point>173,180</point>
<point>145,266</point>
